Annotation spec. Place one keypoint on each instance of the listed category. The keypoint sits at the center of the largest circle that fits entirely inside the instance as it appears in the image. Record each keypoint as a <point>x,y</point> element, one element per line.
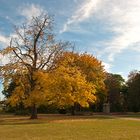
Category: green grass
<point>61,127</point>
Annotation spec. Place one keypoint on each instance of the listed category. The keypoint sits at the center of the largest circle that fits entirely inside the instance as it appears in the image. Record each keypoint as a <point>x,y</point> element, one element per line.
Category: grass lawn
<point>61,127</point>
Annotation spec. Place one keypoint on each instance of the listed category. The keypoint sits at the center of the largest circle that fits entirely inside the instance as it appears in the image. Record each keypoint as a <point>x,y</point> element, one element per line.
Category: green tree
<point>114,84</point>
<point>7,92</point>
<point>134,91</point>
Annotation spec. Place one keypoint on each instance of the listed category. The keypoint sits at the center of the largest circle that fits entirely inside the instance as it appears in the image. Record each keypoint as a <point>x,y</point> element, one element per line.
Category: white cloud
<point>4,40</point>
<point>121,17</point>
<point>123,20</point>
<point>28,11</point>
<point>3,60</point>
<point>107,66</point>
<point>83,12</point>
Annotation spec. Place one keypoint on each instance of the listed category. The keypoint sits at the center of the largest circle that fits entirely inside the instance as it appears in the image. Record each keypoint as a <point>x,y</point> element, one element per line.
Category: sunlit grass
<point>60,127</point>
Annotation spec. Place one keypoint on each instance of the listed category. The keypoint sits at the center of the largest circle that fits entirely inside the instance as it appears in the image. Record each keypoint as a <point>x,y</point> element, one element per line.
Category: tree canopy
<point>133,96</point>
<point>77,79</point>
<point>114,84</point>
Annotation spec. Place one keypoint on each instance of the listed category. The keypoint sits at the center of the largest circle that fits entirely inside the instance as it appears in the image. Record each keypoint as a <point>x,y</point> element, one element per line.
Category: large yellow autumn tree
<point>31,53</point>
<point>77,79</point>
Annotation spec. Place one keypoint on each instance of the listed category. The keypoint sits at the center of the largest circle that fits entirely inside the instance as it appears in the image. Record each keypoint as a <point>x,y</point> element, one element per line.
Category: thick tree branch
<point>35,43</point>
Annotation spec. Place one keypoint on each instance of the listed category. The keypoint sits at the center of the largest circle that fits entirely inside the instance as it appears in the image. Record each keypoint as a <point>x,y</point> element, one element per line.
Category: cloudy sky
<point>108,29</point>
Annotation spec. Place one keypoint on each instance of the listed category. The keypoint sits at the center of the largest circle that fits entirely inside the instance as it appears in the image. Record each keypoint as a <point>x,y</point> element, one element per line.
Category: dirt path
<point>129,118</point>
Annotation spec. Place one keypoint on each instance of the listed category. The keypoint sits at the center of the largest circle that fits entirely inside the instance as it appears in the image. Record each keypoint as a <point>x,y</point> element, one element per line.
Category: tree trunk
<point>73,110</point>
<point>33,112</point>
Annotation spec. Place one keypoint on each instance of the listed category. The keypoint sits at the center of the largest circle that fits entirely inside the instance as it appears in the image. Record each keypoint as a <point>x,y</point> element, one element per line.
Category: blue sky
<point>108,29</point>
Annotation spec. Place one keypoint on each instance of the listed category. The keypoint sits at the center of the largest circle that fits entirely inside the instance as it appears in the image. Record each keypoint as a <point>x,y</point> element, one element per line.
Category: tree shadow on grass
<point>20,122</point>
<point>52,119</point>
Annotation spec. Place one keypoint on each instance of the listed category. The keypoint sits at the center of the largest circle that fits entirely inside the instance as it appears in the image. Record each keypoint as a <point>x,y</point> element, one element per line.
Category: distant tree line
<point>123,96</point>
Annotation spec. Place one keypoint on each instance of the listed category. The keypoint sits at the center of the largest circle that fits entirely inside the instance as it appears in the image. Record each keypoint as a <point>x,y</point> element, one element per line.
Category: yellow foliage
<point>26,94</point>
<point>7,50</point>
<point>68,86</point>
<point>76,79</point>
